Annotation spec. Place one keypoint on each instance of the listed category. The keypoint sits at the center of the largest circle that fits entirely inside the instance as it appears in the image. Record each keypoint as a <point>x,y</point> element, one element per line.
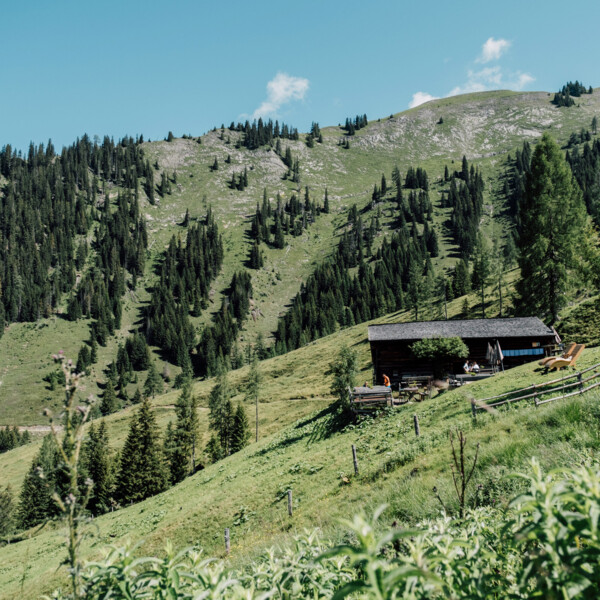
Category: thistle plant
<point>73,499</point>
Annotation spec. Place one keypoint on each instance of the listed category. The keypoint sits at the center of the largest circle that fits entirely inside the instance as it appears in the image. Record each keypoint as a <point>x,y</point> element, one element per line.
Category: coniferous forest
<point>53,210</point>
<point>75,239</point>
<point>359,283</point>
<point>183,285</point>
<point>95,236</point>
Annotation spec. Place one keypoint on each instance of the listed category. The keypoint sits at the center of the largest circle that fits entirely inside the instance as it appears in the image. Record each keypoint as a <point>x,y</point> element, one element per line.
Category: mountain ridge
<point>486,124</point>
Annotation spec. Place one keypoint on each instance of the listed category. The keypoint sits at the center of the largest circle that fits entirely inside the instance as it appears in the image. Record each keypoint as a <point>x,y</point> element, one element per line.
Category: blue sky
<point>130,67</point>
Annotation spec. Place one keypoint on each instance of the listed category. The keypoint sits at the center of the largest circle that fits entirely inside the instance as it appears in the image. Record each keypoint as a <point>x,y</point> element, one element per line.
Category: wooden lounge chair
<point>568,351</point>
<point>559,363</point>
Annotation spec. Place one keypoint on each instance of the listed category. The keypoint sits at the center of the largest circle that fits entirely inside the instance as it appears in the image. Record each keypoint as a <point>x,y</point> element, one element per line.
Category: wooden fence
<point>536,391</point>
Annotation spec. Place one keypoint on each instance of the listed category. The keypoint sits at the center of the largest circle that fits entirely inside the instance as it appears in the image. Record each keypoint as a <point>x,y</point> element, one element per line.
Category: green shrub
<point>344,369</point>
<point>546,544</point>
<point>441,351</point>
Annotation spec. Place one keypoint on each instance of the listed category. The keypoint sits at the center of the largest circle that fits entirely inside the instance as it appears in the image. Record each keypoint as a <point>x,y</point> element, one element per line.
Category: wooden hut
<point>520,339</point>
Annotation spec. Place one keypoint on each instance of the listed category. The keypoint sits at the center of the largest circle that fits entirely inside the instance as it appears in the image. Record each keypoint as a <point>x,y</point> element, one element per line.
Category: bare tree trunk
<point>500,293</point>
<point>445,303</point>
<point>482,300</point>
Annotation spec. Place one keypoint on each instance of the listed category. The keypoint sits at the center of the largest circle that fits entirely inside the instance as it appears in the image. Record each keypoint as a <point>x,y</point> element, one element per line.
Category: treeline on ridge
<point>352,125</point>
<point>258,133</point>
<point>570,90</point>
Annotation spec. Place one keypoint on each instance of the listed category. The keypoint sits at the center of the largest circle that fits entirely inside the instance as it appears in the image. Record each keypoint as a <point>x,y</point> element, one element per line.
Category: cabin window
<point>524,352</point>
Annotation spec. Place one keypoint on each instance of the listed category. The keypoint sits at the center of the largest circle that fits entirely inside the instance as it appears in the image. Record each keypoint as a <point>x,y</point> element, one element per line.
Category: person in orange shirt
<point>386,381</point>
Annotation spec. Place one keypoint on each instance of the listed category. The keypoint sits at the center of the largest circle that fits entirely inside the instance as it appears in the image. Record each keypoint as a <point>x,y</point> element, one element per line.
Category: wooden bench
<point>416,387</point>
<point>419,379</point>
<point>364,399</point>
<point>468,377</point>
<point>414,393</point>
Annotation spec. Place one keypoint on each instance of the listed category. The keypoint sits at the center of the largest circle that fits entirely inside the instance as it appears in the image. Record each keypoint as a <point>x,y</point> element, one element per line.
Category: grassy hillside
<point>484,127</point>
<point>295,384</point>
<point>304,442</point>
<point>312,456</point>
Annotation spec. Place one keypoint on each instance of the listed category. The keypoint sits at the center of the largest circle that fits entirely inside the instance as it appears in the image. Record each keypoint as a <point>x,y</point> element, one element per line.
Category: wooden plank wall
<point>394,357</point>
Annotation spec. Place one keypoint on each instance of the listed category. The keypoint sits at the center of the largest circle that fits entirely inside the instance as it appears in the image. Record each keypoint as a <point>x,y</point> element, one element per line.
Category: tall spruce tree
<point>481,269</point>
<point>154,382</point>
<point>221,412</point>
<point>83,359</point>
<point>497,271</point>
<point>253,388</point>
<point>554,234</point>
<point>108,404</point>
<point>256,259</point>
<point>93,351</point>
<point>182,459</point>
<point>326,202</point>
<point>461,283</point>
<point>96,463</point>
<point>7,511</point>
<point>169,450</point>
<point>142,470</point>
<point>36,503</point>
<point>240,433</point>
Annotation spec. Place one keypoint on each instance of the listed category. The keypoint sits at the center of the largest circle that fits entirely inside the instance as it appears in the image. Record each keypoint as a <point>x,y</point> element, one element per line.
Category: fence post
<point>354,459</point>
<point>473,408</point>
<point>227,545</point>
<point>417,429</point>
<point>535,399</point>
<point>580,380</point>
<point>290,510</point>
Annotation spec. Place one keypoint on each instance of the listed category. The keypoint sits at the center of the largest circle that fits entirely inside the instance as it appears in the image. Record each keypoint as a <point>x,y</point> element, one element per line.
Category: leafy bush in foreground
<point>545,544</point>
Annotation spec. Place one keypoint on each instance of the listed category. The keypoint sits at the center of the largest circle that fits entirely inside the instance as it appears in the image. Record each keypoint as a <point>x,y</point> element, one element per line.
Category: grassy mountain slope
<point>294,385</point>
<point>312,456</point>
<point>484,127</point>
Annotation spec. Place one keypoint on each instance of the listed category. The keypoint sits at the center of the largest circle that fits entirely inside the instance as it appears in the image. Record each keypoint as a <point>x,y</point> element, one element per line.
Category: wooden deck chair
<point>568,351</point>
<point>559,363</point>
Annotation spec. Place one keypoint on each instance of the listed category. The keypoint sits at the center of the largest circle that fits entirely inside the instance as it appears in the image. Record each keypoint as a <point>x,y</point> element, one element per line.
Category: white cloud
<point>282,89</point>
<point>492,78</point>
<point>522,80</point>
<point>479,81</point>
<point>484,78</point>
<point>493,50</point>
<point>421,98</point>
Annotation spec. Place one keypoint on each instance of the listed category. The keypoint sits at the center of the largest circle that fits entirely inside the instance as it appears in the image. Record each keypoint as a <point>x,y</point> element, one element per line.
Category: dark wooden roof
<point>466,329</point>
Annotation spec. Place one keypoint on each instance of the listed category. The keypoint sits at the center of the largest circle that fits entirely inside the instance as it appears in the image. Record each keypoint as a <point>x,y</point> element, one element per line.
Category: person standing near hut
<point>386,381</point>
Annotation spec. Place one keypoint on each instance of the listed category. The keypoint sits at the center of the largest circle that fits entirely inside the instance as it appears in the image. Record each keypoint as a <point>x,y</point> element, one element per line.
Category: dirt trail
<point>35,428</point>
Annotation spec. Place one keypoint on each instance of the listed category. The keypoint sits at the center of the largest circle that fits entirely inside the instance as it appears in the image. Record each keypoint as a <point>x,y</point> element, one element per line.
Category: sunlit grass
<point>307,447</point>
